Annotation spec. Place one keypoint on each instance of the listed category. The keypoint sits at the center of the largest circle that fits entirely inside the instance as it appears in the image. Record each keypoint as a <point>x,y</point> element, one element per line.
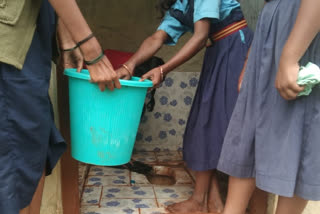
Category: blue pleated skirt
<point>271,139</point>
<point>29,140</point>
<point>215,97</point>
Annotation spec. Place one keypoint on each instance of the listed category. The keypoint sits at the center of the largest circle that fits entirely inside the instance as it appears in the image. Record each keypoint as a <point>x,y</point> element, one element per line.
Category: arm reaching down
<point>191,48</point>
<point>102,71</point>
<point>306,28</point>
<point>147,49</point>
<point>70,59</point>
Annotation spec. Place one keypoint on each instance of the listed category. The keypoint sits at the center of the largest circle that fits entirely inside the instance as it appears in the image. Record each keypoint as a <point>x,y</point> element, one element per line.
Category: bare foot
<point>188,206</point>
<point>194,213</point>
<point>215,206</point>
<point>214,201</point>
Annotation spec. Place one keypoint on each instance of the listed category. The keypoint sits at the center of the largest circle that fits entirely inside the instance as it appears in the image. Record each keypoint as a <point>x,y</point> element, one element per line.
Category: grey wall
<point>251,9</point>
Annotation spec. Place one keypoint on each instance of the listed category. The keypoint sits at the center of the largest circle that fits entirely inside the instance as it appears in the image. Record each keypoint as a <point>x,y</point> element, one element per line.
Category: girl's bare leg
<point>197,201</point>
<point>239,193</point>
<point>215,204</point>
<point>259,202</point>
<point>293,205</point>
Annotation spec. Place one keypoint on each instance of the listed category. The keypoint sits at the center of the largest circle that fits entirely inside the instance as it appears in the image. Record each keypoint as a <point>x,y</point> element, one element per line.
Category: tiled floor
<point>105,190</point>
<point>108,190</point>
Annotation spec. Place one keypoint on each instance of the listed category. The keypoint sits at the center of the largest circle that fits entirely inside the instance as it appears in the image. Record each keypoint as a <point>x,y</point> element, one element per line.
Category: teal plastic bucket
<point>104,125</point>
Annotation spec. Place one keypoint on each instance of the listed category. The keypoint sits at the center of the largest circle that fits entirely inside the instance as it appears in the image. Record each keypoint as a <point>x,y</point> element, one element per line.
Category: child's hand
<point>155,76</point>
<point>103,74</point>
<point>72,59</point>
<point>286,80</point>
<point>123,73</point>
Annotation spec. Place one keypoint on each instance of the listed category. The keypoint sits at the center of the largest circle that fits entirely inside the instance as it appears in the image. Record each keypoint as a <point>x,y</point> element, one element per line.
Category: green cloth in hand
<point>309,76</point>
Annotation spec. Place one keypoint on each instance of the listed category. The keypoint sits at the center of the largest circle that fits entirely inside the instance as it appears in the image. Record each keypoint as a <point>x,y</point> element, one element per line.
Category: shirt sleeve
<point>173,28</point>
<point>206,9</point>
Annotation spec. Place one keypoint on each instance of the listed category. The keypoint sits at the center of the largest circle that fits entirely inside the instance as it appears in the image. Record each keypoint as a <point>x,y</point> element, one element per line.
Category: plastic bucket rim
<point>134,82</point>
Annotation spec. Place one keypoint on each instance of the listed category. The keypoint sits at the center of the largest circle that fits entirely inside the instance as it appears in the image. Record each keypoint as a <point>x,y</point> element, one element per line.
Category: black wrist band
<point>94,61</point>
<point>70,49</point>
<point>85,40</point>
<point>79,43</point>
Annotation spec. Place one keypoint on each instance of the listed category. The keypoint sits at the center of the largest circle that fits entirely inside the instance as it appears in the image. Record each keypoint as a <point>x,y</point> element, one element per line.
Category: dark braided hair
<point>165,5</point>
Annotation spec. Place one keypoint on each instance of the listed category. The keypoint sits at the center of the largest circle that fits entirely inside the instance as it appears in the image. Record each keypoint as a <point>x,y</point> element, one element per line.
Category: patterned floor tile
<point>128,203</point>
<point>146,157</point>
<point>166,202</point>
<point>168,156</point>
<point>90,206</point>
<point>142,198</point>
<point>116,180</point>
<point>83,168</point>
<point>102,210</point>
<point>163,128</point>
<point>82,171</point>
<point>153,211</point>
<point>128,192</point>
<point>103,170</point>
<point>173,192</point>
<point>139,179</point>
<point>165,146</point>
<point>91,196</point>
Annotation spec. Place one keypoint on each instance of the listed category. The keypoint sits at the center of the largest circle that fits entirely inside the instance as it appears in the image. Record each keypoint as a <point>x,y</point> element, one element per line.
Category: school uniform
<point>269,138</point>
<point>217,90</point>
<point>29,140</point>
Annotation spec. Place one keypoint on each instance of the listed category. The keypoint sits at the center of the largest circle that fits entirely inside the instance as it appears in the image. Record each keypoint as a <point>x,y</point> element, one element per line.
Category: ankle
<point>199,199</point>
